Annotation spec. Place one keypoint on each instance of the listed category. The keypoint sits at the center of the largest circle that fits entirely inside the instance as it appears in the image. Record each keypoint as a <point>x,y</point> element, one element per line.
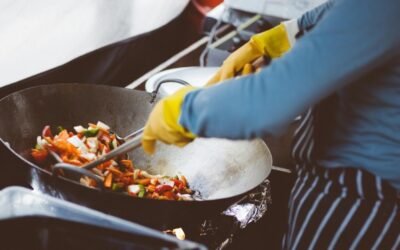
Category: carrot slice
<point>144,182</point>
<point>63,135</point>
<point>108,180</point>
<point>105,165</point>
<point>128,174</point>
<point>115,171</point>
<point>127,163</point>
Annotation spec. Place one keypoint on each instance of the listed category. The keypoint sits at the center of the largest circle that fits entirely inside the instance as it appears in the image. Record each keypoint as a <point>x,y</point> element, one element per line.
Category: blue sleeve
<point>309,19</point>
<point>354,37</point>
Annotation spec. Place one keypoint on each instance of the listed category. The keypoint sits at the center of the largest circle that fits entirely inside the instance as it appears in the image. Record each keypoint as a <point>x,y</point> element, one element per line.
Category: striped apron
<point>341,208</point>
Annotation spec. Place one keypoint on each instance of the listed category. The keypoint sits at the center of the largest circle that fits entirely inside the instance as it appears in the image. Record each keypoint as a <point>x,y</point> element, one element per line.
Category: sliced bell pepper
<point>170,195</point>
<point>91,132</point>
<point>163,188</point>
<point>39,155</point>
<point>117,186</point>
<point>46,132</point>
<point>183,180</point>
<point>141,193</point>
<point>59,129</point>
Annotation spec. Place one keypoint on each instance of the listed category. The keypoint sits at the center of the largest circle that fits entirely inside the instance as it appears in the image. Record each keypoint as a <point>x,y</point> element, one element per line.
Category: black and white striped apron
<point>343,208</point>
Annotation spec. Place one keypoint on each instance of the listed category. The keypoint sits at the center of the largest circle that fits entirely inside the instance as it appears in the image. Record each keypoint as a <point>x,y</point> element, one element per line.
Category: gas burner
<point>218,232</point>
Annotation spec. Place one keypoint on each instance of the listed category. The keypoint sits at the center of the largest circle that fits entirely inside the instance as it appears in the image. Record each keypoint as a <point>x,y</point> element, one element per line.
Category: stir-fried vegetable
<point>119,174</point>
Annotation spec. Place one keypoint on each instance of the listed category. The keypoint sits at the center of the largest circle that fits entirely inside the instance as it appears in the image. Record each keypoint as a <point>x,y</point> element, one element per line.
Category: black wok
<point>236,167</point>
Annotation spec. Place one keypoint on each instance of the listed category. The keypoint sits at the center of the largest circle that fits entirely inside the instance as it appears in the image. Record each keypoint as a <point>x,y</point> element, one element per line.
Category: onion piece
<point>102,125</point>
<point>93,144</point>
<point>41,142</point>
<point>165,181</point>
<point>79,129</point>
<point>147,175</point>
<point>179,233</point>
<point>89,156</point>
<point>185,197</point>
<point>134,189</point>
<point>74,140</point>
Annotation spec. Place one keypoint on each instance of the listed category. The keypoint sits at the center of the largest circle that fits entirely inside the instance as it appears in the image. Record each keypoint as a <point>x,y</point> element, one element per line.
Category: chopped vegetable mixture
<point>119,174</point>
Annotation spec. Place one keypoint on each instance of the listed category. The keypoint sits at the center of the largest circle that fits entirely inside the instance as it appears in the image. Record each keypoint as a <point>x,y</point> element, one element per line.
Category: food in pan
<point>119,174</point>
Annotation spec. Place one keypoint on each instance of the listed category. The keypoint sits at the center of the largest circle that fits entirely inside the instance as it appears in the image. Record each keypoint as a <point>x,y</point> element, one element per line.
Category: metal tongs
<point>129,142</point>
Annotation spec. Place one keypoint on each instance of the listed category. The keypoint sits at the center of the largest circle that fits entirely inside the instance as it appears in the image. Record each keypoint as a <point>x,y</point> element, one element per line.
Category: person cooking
<point>343,75</point>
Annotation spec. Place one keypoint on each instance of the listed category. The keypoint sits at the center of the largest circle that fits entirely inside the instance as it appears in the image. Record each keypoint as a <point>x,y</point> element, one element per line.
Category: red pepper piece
<point>46,132</point>
<point>170,195</point>
<point>177,182</point>
<point>163,188</point>
<point>39,155</point>
<point>104,138</point>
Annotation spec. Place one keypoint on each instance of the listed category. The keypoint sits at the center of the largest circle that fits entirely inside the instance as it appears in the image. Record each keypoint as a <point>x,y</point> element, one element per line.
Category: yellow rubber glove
<point>273,43</point>
<point>235,62</point>
<point>163,123</point>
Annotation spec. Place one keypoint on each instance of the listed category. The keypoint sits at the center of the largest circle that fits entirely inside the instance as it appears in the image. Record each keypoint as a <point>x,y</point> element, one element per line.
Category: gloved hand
<point>163,123</point>
<point>273,43</point>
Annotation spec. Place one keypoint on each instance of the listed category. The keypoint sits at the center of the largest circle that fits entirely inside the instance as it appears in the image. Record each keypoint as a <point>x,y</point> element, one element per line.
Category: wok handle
<point>162,81</point>
<point>72,168</point>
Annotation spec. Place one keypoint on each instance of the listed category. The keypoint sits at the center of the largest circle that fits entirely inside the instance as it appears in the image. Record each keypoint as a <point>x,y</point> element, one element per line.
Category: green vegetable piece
<point>121,167</point>
<point>37,146</point>
<point>141,193</point>
<point>116,187</point>
<point>92,132</point>
<point>114,143</point>
<point>59,129</point>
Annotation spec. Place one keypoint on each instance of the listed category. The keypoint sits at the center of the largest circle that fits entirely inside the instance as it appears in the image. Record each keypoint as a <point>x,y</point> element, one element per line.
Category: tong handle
<point>75,169</point>
<point>132,143</point>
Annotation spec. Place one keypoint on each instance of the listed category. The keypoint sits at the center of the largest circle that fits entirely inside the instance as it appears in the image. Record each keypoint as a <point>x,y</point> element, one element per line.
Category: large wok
<point>223,171</point>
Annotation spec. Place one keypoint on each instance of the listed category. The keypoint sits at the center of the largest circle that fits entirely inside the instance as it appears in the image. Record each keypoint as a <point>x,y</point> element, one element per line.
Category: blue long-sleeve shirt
<point>354,51</point>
